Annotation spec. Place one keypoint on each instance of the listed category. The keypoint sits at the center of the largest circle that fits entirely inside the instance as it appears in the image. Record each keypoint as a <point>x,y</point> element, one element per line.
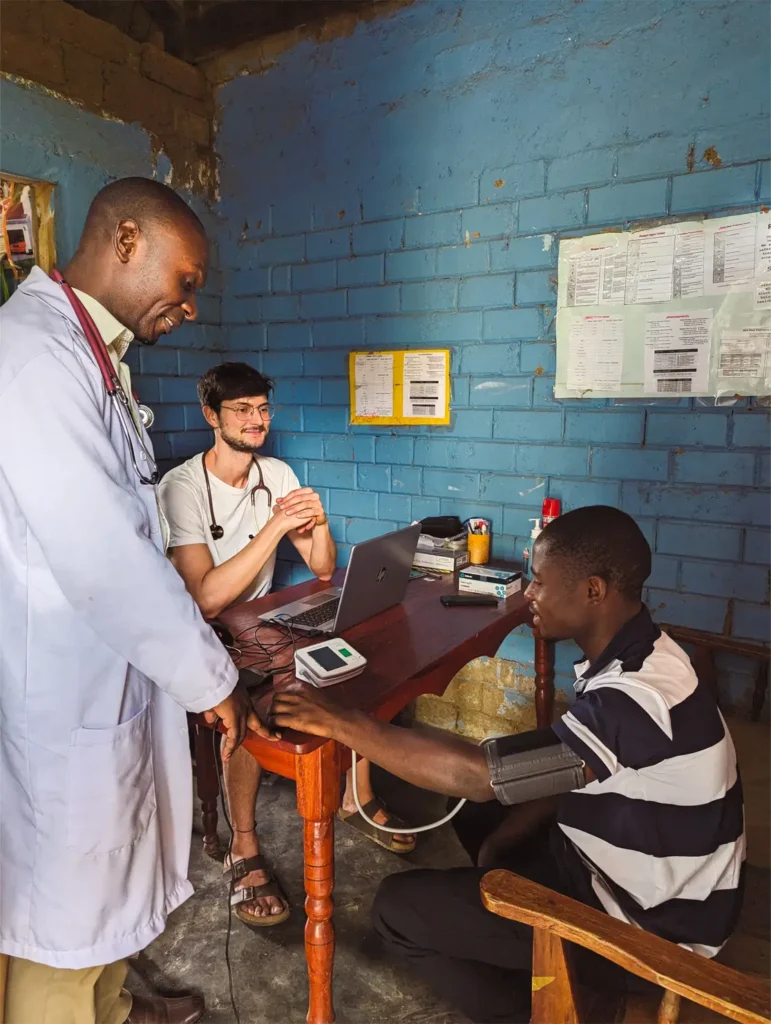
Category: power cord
<point>286,622</point>
<point>245,645</point>
<point>270,651</point>
<point>388,828</point>
<point>228,855</point>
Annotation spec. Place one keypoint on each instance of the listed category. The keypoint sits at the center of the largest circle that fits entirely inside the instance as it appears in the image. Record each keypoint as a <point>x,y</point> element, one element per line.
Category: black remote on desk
<point>468,600</point>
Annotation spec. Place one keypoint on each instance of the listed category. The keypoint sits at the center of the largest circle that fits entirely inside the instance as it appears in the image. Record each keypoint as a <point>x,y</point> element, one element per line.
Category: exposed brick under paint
<point>95,65</point>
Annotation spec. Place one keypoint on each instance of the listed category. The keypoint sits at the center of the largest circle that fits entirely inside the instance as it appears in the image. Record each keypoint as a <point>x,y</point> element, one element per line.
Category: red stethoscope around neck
<point>112,384</point>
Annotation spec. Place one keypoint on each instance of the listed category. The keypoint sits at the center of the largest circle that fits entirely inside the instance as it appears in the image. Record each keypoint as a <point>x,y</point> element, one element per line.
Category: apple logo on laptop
<point>381,575</point>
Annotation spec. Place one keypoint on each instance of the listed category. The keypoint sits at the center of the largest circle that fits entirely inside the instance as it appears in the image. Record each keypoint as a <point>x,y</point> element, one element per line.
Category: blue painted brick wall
<point>423,205</point>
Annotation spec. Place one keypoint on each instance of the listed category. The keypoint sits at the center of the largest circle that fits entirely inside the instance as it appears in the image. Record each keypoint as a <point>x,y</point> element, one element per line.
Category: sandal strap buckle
<point>244,895</point>
<point>241,868</point>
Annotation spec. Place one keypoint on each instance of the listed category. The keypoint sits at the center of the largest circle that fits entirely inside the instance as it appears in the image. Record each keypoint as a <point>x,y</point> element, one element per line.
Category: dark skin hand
<point>237,716</point>
<point>439,762</point>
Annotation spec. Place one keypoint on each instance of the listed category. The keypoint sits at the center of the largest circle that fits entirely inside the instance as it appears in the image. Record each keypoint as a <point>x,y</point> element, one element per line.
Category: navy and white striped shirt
<point>661,830</point>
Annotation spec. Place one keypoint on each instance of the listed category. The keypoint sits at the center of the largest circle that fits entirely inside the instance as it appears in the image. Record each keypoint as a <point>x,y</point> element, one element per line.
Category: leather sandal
<point>394,843</point>
<point>157,1010</point>
<point>235,870</point>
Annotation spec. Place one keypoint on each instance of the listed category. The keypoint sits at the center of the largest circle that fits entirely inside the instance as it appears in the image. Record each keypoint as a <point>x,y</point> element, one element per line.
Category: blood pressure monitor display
<point>327,658</point>
<point>331,661</point>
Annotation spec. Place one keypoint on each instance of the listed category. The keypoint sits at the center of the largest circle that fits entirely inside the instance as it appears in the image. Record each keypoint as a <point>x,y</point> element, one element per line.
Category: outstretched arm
<point>515,769</point>
<point>440,762</point>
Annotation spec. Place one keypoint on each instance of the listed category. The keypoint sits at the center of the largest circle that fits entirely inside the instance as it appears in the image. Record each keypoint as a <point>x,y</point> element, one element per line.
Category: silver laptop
<point>376,579</point>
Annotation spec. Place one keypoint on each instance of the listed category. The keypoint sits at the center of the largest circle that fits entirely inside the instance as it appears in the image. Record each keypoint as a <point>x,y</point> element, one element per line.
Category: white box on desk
<point>440,562</point>
<point>481,579</point>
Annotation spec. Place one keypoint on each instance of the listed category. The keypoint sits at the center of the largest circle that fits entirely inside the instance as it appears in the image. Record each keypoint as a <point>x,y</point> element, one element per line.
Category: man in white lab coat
<point>102,650</point>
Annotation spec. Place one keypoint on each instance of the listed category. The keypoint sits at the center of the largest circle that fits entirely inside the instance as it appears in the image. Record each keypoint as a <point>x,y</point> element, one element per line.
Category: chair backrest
<point>555,918</point>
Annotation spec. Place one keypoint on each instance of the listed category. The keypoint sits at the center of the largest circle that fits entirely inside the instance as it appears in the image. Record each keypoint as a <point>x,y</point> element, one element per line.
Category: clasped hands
<point>302,509</point>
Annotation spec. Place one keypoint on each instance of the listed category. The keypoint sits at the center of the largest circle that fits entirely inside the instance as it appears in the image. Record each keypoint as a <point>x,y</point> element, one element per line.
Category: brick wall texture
<point>92,63</point>
<point>409,187</point>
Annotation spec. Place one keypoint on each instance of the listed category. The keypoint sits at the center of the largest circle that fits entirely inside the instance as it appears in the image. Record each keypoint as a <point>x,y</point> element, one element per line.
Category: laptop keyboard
<point>316,616</point>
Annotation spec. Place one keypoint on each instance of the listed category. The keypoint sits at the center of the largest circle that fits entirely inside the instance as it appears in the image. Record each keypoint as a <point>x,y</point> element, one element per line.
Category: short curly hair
<point>599,540</point>
<point>226,381</point>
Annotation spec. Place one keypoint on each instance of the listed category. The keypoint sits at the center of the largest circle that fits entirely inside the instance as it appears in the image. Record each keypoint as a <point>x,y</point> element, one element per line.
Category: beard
<point>239,445</point>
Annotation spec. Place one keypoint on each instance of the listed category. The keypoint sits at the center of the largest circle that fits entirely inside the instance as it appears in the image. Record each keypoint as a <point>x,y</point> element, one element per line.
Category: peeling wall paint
<point>84,60</point>
<point>80,152</point>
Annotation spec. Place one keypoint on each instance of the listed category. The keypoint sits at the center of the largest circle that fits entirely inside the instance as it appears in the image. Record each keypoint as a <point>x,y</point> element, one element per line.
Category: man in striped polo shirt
<point>630,803</point>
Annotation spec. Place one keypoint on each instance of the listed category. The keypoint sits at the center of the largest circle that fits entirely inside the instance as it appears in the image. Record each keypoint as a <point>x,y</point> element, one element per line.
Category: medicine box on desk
<point>446,554</point>
<point>481,579</point>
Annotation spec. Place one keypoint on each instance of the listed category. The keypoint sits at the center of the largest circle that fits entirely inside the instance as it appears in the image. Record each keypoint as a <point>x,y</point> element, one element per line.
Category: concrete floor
<point>269,976</point>
<point>269,973</point>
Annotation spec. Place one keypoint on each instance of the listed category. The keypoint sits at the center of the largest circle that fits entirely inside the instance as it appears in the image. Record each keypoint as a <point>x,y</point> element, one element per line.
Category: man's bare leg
<point>366,793</point>
<point>242,775</point>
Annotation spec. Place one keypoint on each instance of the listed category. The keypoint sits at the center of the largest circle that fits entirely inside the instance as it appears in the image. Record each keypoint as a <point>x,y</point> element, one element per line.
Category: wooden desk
<point>412,649</point>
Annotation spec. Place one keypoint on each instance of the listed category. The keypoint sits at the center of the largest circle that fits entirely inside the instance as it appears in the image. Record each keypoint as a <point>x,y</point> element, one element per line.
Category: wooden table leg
<point>318,798</point>
<point>544,681</point>
<point>208,786</point>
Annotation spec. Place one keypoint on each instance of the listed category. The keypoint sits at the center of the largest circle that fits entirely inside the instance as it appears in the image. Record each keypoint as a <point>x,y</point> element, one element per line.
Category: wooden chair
<point>706,645</point>
<point>555,996</point>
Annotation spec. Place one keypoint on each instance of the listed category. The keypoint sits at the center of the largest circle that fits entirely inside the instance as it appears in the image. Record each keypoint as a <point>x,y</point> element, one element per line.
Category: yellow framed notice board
<point>405,388</point>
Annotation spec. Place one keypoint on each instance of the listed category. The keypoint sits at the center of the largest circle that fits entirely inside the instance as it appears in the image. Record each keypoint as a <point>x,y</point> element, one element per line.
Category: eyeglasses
<point>244,411</point>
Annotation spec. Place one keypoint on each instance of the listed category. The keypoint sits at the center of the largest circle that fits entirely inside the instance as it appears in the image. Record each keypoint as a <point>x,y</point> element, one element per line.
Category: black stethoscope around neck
<point>217,531</point>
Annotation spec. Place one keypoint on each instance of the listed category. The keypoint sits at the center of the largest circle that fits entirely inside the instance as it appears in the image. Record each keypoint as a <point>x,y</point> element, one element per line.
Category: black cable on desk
<point>220,776</point>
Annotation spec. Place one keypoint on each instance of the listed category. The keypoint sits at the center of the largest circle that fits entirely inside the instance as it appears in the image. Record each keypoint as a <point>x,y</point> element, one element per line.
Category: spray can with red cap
<point>550,510</point>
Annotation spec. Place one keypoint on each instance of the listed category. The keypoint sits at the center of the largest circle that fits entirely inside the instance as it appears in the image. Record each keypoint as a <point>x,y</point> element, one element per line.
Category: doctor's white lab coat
<point>101,652</point>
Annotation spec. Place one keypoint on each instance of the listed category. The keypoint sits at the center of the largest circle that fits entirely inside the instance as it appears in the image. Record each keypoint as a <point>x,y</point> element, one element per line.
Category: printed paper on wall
<point>677,309</point>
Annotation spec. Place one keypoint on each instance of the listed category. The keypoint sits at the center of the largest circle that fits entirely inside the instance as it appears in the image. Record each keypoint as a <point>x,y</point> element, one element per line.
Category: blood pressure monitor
<point>328,662</point>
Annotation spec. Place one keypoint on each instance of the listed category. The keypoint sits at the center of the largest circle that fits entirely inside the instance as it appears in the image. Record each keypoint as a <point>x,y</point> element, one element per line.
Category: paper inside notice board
<point>424,384</point>
<point>374,385</point>
<point>405,387</point>
<point>745,353</point>
<point>677,353</point>
<point>596,352</point>
<point>677,308</point>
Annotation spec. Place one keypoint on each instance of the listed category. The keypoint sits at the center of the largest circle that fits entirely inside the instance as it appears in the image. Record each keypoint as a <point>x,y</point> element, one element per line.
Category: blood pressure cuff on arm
<point>532,765</point>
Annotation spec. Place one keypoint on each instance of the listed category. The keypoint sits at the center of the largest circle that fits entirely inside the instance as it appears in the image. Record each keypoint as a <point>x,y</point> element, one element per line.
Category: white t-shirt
<point>185,503</point>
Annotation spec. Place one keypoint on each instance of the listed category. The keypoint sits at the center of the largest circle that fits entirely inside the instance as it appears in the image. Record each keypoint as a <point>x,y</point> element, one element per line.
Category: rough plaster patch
<point>259,56</point>
<point>499,385</point>
<point>537,487</point>
<point>200,177</point>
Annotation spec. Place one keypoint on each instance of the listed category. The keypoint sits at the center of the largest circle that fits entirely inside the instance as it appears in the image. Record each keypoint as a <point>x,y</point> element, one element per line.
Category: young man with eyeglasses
<point>227,510</point>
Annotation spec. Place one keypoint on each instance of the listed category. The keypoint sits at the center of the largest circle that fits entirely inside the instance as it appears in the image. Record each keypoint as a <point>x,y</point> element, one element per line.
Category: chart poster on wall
<point>405,388</point>
<point>673,310</point>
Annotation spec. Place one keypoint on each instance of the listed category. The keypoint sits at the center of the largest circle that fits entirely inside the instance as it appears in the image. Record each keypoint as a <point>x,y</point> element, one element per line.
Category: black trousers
<point>479,962</point>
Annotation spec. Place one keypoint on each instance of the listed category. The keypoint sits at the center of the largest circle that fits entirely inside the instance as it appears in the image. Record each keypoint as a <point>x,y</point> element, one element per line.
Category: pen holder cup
<point>479,548</point>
